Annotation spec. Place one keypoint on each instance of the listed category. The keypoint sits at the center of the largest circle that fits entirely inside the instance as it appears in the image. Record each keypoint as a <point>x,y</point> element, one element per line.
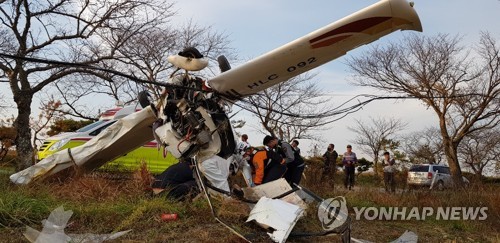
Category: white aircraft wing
<point>317,48</point>
<point>125,135</point>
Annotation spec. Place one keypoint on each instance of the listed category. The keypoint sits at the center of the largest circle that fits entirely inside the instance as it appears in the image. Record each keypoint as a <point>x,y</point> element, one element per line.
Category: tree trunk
<point>450,150</point>
<point>479,174</point>
<point>375,167</point>
<point>22,125</point>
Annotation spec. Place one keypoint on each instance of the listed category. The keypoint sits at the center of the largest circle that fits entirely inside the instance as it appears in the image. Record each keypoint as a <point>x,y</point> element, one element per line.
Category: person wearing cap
<point>268,164</point>
<point>349,161</point>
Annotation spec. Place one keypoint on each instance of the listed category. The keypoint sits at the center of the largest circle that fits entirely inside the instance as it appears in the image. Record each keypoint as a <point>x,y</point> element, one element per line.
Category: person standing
<point>295,146</point>
<point>243,144</point>
<point>285,150</point>
<point>389,173</point>
<point>295,169</point>
<point>349,161</point>
<point>330,159</point>
<point>268,164</point>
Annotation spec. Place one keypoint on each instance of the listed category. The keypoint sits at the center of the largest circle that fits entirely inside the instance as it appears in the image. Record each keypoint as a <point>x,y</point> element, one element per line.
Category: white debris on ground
<point>276,214</point>
<point>360,241</point>
<point>273,189</point>
<point>279,214</point>
<point>53,230</point>
<point>406,237</point>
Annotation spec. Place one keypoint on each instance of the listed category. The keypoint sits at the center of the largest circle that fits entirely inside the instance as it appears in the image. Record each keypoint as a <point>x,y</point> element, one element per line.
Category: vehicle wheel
<point>466,184</point>
<point>223,63</point>
<point>440,185</point>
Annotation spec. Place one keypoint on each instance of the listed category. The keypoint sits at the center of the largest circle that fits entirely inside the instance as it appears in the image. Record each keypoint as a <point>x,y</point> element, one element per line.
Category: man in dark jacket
<point>296,168</point>
<point>330,159</point>
<point>177,179</point>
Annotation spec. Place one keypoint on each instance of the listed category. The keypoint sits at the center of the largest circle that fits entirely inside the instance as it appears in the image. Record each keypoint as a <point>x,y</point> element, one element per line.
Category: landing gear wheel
<point>143,98</point>
<point>223,63</point>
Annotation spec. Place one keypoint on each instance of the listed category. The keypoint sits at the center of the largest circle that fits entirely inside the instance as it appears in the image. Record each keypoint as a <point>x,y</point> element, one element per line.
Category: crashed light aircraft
<point>190,121</point>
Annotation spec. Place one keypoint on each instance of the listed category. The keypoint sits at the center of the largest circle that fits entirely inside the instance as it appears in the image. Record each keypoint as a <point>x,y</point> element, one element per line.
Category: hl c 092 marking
<point>290,69</point>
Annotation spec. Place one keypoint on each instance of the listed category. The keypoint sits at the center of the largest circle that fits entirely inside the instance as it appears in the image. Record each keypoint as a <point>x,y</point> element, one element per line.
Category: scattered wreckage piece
<point>406,237</point>
<point>276,214</point>
<point>53,230</point>
<point>274,190</point>
<point>332,212</point>
<point>273,210</point>
<point>127,134</point>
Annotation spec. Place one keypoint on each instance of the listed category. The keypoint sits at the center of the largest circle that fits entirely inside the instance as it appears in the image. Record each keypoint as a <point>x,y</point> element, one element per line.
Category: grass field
<point>105,204</point>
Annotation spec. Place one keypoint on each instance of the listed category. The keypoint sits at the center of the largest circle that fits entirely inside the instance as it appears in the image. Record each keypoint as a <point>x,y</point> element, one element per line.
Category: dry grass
<point>105,203</point>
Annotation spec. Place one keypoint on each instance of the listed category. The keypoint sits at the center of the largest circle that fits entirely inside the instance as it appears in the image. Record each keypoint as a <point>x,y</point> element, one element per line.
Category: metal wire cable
<point>341,110</point>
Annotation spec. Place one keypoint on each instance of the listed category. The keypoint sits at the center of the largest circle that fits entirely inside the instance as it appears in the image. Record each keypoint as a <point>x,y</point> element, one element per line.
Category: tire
<point>440,185</point>
<point>223,63</point>
<point>228,144</point>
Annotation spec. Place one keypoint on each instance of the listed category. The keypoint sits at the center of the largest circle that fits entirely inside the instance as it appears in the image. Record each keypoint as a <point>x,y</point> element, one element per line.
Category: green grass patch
<point>20,206</point>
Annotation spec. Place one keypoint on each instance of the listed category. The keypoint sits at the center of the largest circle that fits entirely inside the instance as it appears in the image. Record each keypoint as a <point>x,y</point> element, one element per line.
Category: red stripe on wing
<point>328,38</point>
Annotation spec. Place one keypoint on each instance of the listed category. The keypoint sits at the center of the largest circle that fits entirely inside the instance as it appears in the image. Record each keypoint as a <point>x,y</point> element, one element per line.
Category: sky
<point>256,27</point>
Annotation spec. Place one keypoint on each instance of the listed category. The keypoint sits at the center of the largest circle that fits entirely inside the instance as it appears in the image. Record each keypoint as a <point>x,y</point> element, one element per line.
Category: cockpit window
<point>99,130</point>
<point>90,126</point>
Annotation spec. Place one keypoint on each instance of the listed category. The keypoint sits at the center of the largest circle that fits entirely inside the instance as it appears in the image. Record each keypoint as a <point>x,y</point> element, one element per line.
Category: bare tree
<point>479,150</point>
<point>277,108</point>
<point>463,91</point>
<point>144,57</point>
<point>424,146</point>
<point>72,91</point>
<point>79,32</point>
<point>376,136</point>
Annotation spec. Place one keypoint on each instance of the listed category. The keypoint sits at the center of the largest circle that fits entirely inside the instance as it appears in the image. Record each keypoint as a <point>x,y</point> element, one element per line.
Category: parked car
<point>423,175</point>
<point>128,162</point>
